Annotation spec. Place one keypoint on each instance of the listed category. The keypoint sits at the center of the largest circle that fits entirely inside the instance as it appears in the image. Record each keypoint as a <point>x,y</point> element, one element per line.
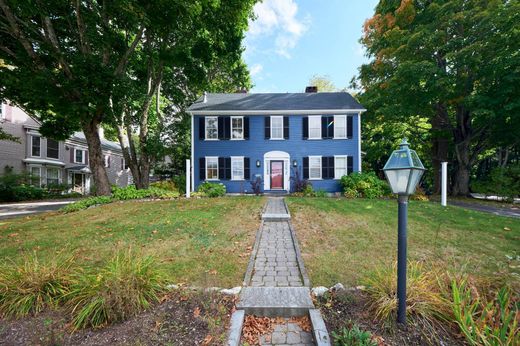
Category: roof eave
<point>275,112</point>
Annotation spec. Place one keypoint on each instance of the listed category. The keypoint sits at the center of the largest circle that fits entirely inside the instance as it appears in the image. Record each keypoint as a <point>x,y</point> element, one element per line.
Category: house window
<point>79,156</point>
<point>211,168</point>
<point>340,166</point>
<point>276,127</point>
<point>35,146</point>
<point>315,127</point>
<point>53,176</point>
<point>340,126</point>
<point>107,161</point>
<point>237,128</point>
<point>53,149</point>
<point>314,167</point>
<point>237,168</point>
<point>36,173</point>
<point>211,127</point>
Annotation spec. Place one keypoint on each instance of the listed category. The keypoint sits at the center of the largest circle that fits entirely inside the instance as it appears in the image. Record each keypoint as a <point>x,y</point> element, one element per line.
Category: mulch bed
<point>343,309</point>
<point>181,319</point>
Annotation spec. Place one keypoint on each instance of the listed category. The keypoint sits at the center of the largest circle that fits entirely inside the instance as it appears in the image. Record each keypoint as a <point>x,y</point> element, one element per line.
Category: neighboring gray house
<point>64,162</point>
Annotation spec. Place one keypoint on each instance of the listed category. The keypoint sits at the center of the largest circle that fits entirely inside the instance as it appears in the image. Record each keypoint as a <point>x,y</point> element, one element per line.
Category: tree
<point>324,83</point>
<point>455,63</point>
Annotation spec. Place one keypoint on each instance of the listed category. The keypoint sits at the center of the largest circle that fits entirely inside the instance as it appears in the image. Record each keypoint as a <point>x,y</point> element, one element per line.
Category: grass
<point>203,242</point>
<point>344,239</point>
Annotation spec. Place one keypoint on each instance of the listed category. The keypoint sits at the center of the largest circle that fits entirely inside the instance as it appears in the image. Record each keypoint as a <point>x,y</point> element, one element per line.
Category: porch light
<point>403,171</point>
<point>295,163</point>
<point>257,163</point>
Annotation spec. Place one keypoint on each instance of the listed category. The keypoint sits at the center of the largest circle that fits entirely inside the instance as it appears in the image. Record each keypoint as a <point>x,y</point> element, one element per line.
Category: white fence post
<point>188,178</point>
<point>444,183</point>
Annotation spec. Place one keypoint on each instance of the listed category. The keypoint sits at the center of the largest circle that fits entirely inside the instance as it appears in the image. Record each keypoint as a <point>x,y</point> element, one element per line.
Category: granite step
<point>275,301</point>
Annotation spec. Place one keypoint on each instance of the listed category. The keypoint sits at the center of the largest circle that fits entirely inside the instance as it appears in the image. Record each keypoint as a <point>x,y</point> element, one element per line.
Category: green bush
<point>167,185</point>
<point>19,187</point>
<point>180,183</point>
<point>504,182</point>
<point>30,285</point>
<point>212,189</point>
<point>131,192</point>
<point>125,286</point>
<point>86,203</point>
<point>366,185</point>
<point>353,337</point>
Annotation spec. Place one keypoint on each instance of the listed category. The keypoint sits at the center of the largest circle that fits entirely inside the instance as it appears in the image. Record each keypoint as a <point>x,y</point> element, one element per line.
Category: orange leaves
<point>254,327</point>
<point>303,322</point>
<point>196,312</point>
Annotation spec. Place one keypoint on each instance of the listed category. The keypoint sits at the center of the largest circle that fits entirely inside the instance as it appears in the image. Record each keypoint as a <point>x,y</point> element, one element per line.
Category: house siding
<point>256,146</point>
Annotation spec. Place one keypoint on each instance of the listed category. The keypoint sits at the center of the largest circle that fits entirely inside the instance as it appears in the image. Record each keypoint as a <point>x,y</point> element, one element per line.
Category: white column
<point>444,183</point>
<point>188,178</point>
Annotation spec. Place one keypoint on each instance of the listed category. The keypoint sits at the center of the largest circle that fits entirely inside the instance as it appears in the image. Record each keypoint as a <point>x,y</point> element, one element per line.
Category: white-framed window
<point>211,127</point>
<point>276,127</point>
<point>53,176</point>
<point>237,127</point>
<point>340,126</point>
<point>315,127</point>
<point>211,168</point>
<point>314,167</point>
<point>340,166</point>
<point>106,160</point>
<point>36,175</point>
<point>36,142</point>
<point>79,155</point>
<point>237,168</point>
<point>53,148</point>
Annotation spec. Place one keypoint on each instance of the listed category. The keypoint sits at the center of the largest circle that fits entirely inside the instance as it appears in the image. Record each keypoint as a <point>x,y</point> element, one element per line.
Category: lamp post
<point>403,170</point>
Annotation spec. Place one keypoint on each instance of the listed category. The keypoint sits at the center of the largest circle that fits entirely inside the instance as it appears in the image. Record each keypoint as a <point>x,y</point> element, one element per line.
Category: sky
<point>292,40</point>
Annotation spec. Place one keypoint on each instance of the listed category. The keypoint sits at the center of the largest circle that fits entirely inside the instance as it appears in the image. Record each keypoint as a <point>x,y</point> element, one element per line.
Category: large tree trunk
<point>96,161</point>
<point>439,144</point>
<point>462,135</point>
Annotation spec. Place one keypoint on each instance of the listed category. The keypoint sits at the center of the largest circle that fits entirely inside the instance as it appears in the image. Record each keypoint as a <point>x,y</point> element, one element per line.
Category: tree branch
<point>124,59</point>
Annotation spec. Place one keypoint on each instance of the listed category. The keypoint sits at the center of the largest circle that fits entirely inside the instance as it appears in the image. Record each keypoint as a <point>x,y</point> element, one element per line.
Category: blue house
<point>238,138</point>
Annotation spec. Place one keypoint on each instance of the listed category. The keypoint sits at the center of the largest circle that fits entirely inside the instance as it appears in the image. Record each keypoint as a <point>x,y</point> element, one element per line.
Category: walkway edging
<point>299,259</point>
<point>254,251</point>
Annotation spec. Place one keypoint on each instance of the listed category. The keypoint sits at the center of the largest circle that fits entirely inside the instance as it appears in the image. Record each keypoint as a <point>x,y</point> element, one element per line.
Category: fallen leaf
<point>196,312</point>
<point>207,340</point>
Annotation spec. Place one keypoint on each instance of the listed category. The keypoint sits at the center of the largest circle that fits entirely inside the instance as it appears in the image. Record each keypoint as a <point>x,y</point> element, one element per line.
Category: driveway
<point>27,208</point>
<point>508,212</point>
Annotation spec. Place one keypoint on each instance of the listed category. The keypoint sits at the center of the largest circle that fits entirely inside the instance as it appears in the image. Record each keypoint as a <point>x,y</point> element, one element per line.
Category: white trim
<point>206,171</point>
<point>32,139</point>
<point>276,155</point>
<point>346,165</point>
<point>320,159</point>
<point>83,156</point>
<point>47,174</point>
<point>344,116</point>
<point>43,161</point>
<point>206,129</point>
<point>192,153</point>
<point>231,128</point>
<point>278,112</point>
<point>271,127</point>
<point>239,159</point>
<point>39,174</point>
<point>359,141</point>
<point>309,126</point>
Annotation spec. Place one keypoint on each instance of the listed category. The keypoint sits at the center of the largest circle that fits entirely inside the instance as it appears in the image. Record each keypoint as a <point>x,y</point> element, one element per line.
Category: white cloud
<point>278,18</point>
<point>256,69</point>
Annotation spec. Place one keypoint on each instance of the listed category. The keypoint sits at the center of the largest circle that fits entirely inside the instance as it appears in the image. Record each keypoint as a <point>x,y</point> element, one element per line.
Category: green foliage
<point>366,185</point>
<point>18,187</point>
<point>180,183</point>
<point>503,182</point>
<point>86,203</point>
<point>353,336</point>
<point>212,189</point>
<point>493,323</point>
<point>125,286</point>
<point>29,286</point>
<point>131,192</point>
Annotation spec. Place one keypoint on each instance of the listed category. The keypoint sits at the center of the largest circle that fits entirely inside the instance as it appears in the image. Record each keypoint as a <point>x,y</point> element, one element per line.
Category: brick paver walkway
<point>287,333</point>
<point>275,206</point>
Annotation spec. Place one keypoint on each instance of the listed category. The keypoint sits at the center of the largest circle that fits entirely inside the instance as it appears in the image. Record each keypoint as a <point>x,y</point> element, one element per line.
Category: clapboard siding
<point>256,146</point>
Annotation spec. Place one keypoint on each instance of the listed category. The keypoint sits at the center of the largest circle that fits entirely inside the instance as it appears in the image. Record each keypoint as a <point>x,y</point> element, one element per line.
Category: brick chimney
<point>311,89</point>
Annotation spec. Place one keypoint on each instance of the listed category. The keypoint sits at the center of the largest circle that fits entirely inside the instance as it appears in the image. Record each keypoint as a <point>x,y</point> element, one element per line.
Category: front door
<point>276,175</point>
<point>78,182</point>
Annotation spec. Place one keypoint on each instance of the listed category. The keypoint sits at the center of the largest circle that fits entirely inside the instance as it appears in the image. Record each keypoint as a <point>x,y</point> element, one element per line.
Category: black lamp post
<point>403,171</point>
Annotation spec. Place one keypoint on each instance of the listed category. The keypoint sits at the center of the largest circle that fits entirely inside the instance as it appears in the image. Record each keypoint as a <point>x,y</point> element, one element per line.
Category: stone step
<point>276,217</point>
<point>275,301</point>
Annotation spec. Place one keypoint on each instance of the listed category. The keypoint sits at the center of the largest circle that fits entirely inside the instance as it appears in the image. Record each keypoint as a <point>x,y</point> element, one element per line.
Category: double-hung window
<point>340,166</point>
<point>315,127</point>
<point>277,127</point>
<point>237,128</point>
<point>340,126</point>
<point>35,146</point>
<point>211,168</point>
<point>53,176</point>
<point>211,127</point>
<point>36,173</point>
<point>237,168</point>
<point>53,149</point>
<point>314,167</point>
<point>79,156</point>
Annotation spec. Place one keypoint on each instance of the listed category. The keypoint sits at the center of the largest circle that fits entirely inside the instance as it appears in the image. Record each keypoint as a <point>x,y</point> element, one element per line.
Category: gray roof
<point>105,143</point>
<point>276,102</point>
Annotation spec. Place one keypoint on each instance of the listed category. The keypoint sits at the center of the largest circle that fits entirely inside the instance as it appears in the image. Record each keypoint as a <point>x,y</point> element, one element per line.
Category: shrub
<point>485,323</point>
<point>256,185</point>
<point>501,181</point>
<point>31,285</point>
<point>366,185</point>
<point>212,189</point>
<point>353,336</point>
<point>425,299</point>
<point>299,184</point>
<point>179,182</point>
<point>131,192</point>
<point>86,203</point>
<point>167,185</point>
<point>19,187</point>
<point>125,286</point>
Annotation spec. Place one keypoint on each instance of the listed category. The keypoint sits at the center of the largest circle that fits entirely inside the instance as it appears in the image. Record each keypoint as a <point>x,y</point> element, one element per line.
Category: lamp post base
<point>401,258</point>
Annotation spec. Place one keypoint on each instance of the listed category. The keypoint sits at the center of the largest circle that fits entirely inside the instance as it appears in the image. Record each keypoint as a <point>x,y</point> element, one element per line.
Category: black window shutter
<point>350,164</point>
<point>247,169</point>
<point>222,168</point>
<point>202,128</point>
<point>246,127</point>
<point>305,168</point>
<point>349,126</point>
<point>202,168</point>
<point>267,132</point>
<point>220,128</point>
<point>228,168</point>
<point>324,127</point>
<point>324,166</point>
<point>286,127</point>
<point>331,167</point>
<point>227,127</point>
<point>305,129</point>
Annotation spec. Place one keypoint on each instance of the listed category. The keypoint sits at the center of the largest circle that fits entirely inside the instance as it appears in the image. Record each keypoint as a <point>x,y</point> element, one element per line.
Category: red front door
<point>277,175</point>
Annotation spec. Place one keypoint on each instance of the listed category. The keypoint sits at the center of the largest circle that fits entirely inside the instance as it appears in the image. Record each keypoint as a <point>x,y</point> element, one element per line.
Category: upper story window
<point>340,126</point>
<point>53,148</point>
<point>276,127</point>
<point>315,127</point>
<point>212,168</point>
<point>314,167</point>
<point>237,128</point>
<point>35,146</point>
<point>237,168</point>
<point>79,155</point>
<point>211,127</point>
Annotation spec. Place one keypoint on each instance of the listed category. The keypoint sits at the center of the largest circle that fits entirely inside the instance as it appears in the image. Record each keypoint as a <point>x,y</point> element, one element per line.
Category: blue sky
<point>291,40</point>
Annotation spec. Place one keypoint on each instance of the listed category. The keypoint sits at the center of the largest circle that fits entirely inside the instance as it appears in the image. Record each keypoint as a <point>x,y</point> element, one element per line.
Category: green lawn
<point>342,239</point>
<point>203,242</point>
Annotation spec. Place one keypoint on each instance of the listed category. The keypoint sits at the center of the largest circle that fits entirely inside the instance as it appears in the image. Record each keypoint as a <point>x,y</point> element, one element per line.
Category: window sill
<point>340,138</point>
<point>314,139</point>
<point>211,139</point>
<point>238,179</point>
<point>237,139</point>
<point>277,139</point>
<point>315,178</point>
